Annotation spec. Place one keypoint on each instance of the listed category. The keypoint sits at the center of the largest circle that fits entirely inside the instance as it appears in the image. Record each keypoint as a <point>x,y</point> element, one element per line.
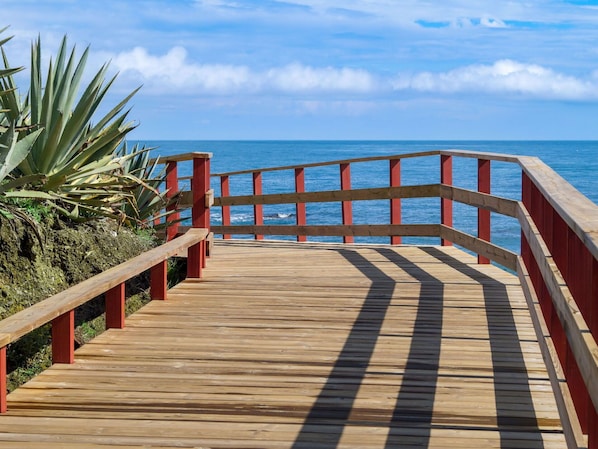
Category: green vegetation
<point>58,150</point>
<point>74,199</point>
<point>13,150</point>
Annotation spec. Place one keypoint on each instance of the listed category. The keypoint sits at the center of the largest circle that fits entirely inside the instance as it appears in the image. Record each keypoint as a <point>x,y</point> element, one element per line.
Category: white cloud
<point>173,71</point>
<point>300,78</point>
<point>492,22</point>
<point>504,76</point>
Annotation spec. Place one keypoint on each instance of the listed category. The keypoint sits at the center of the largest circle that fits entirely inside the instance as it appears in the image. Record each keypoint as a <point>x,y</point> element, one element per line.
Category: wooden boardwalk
<point>286,345</point>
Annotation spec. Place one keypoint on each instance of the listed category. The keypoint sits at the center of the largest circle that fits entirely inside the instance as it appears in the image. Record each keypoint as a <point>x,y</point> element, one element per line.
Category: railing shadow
<point>422,362</point>
<point>508,362</point>
<point>411,422</point>
<point>357,352</point>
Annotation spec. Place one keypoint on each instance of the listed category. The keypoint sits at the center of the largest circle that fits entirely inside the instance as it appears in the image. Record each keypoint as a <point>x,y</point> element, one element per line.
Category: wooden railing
<point>394,193</point>
<point>559,270</point>
<point>60,308</point>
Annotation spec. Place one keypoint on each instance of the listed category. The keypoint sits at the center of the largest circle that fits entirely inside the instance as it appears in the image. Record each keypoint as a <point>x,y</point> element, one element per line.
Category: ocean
<point>576,161</point>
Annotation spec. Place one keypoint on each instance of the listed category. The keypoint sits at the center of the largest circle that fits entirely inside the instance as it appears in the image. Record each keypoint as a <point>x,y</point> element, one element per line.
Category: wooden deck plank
<point>287,345</point>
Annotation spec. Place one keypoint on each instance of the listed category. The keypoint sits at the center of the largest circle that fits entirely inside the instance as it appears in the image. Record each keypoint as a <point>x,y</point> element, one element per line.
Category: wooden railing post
<point>63,338</point>
<point>258,209</point>
<point>395,203</point>
<point>300,208</point>
<point>347,206</point>
<point>446,205</point>
<point>159,281</point>
<point>483,215</point>
<point>172,187</point>
<point>3,383</point>
<point>115,307</point>
<point>200,214</point>
<point>224,192</point>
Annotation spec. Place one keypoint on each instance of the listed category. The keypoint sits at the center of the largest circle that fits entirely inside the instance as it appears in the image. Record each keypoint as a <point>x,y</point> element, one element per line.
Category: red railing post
<point>3,383</point>
<point>483,215</point>
<point>300,208</point>
<point>156,216</point>
<point>347,206</point>
<point>115,307</point>
<point>224,192</point>
<point>159,281</point>
<point>172,187</point>
<point>63,338</point>
<point>258,209</point>
<point>200,214</point>
<point>395,203</point>
<point>446,205</point>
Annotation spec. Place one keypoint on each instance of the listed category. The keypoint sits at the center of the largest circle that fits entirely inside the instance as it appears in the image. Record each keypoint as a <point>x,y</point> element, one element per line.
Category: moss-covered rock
<point>69,254</point>
<point>37,261</point>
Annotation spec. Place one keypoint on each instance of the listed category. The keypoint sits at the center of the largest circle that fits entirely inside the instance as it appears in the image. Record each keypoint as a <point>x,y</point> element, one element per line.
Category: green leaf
<point>13,151</point>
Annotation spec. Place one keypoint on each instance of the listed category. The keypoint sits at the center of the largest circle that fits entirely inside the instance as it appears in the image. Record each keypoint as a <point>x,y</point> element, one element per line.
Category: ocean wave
<point>246,218</point>
<point>278,216</point>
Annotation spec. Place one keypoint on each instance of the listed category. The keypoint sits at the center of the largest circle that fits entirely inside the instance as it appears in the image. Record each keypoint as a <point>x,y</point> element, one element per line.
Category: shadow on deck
<point>307,346</point>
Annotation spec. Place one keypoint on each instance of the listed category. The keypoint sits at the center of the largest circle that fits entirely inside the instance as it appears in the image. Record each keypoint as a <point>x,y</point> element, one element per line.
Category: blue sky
<point>334,69</point>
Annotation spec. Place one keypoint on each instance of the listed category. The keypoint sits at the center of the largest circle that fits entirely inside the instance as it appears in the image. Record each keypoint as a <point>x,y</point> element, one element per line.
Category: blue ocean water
<point>576,161</point>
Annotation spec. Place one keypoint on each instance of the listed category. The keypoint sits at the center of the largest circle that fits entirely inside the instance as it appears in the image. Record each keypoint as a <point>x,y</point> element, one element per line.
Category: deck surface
<point>286,345</point>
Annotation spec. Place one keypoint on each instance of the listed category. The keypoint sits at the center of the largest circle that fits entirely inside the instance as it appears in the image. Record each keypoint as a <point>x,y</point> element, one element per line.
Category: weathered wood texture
<point>287,345</point>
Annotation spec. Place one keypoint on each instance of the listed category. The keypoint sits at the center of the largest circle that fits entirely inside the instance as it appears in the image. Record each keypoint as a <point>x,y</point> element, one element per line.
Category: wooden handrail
<point>328,163</point>
<point>576,209</point>
<point>460,153</point>
<point>492,203</point>
<point>371,230</point>
<point>15,326</point>
<point>59,308</point>
<point>376,193</point>
<point>181,157</point>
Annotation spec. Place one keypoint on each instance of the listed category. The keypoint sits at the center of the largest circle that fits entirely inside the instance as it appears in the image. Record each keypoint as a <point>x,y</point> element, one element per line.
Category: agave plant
<point>75,153</point>
<point>147,203</point>
<point>13,150</point>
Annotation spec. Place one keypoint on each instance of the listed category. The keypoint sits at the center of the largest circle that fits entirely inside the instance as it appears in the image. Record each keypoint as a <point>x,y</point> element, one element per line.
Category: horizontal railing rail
<point>59,309</point>
<point>557,263</point>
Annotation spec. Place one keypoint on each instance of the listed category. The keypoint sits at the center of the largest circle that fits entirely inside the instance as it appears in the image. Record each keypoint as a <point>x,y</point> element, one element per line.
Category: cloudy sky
<point>334,69</point>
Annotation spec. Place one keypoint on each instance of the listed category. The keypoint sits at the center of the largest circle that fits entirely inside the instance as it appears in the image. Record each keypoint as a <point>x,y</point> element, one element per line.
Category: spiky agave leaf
<point>13,151</point>
<point>71,140</point>
<point>72,151</point>
<point>10,106</point>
